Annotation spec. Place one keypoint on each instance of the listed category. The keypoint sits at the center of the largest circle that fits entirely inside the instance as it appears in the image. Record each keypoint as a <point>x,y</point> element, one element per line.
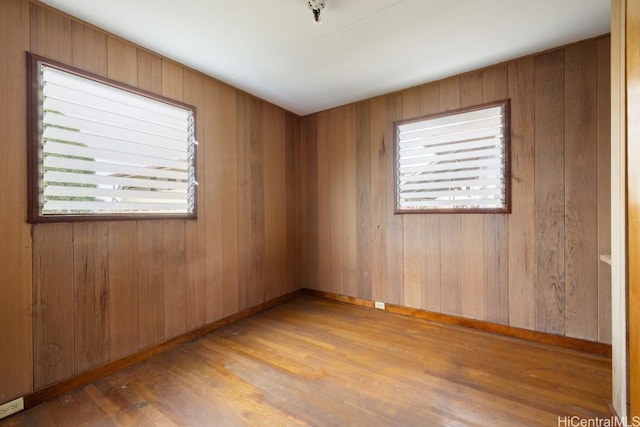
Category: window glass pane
<point>103,150</point>
<point>458,161</point>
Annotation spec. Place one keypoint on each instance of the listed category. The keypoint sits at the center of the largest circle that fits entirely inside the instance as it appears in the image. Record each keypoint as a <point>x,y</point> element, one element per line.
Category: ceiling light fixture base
<point>316,7</point>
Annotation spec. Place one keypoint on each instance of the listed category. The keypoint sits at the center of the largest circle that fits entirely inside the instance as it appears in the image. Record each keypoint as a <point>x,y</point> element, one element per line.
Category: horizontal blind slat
<point>450,139</point>
<point>479,182</point>
<point>95,141</point>
<point>110,169</point>
<point>104,207</point>
<point>117,119</point>
<point>71,178</point>
<point>102,129</point>
<point>90,87</point>
<point>451,166</point>
<point>147,195</point>
<point>107,156</point>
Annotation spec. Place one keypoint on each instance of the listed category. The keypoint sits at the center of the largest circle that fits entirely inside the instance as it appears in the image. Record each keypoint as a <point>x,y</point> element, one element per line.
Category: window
<point>454,162</point>
<point>102,150</point>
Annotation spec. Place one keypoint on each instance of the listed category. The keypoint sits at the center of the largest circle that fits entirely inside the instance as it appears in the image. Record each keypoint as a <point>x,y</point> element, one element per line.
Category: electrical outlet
<point>379,305</point>
<point>11,408</point>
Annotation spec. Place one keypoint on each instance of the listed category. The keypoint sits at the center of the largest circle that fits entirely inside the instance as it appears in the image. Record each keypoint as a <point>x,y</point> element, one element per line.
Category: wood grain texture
<point>122,64</point>
<point>633,206</point>
<point>431,268</point>
<point>328,357</point>
<point>336,200</point>
<point>256,255</point>
<point>195,230</point>
<point>378,200</point>
<point>50,34</point>
<point>89,49</point>
<point>581,232</point>
<point>549,192</point>
<point>412,224</point>
<point>507,269</point>
<point>496,226</point>
<point>229,191</point>
<point>123,289</point>
<point>324,202</point>
<point>522,222</point>
<point>395,240</point>
<point>349,200</point>
<point>150,256</point>
<point>363,199</point>
<point>604,189</point>
<point>311,272</point>
<point>159,278</point>
<point>90,294</point>
<point>16,343</point>
<point>472,260</point>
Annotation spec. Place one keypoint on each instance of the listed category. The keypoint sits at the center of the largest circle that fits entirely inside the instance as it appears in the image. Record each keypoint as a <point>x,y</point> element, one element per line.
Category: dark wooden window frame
<point>506,104</point>
<point>33,142</point>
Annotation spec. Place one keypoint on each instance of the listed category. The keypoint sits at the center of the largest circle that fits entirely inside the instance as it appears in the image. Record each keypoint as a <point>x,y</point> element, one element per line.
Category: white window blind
<point>106,150</point>
<point>456,161</point>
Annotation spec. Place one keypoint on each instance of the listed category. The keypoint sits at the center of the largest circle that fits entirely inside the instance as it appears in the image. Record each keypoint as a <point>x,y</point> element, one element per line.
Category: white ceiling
<point>363,48</point>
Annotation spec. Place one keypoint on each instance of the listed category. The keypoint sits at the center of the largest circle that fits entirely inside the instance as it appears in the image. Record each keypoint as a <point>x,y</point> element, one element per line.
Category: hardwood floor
<point>317,362</point>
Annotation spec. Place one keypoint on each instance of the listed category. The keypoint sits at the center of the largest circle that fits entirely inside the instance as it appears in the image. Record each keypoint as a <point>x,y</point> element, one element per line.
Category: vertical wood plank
<point>581,232</point>
<point>472,225</point>
<point>496,295</point>
<point>472,266</point>
<point>122,64</point>
<point>412,224</point>
<point>244,201</point>
<point>349,200</point>
<point>150,256</point>
<point>90,294</point>
<point>522,237</point>
<point>230,185</point>
<point>336,189</point>
<point>91,243</point>
<point>549,191</point>
<point>378,200</point>
<point>123,289</point>
<point>450,249</point>
<point>324,203</point>
<point>150,241</point>
<point>395,240</point>
<point>255,288</point>
<point>53,346</point>
<point>53,323</point>
<point>174,274</point>
<point>277,153</point>
<point>149,72</point>
<point>293,243</point>
<point>430,298</point>
<point>195,230</point>
<point>363,200</point>
<point>89,49</point>
<point>212,192</point>
<point>496,226</point>
<point>450,239</point>
<point>633,203</point>
<point>174,237</point>
<point>604,188</point>
<point>16,342</point>
<point>273,196</point>
<point>312,150</point>
<point>50,34</point>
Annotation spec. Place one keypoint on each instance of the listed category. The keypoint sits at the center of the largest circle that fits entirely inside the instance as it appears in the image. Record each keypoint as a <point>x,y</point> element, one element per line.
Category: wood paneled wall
<point>99,291</point>
<point>537,268</point>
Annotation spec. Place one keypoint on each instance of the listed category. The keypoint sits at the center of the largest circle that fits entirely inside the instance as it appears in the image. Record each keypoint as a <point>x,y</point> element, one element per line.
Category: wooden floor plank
<point>312,361</point>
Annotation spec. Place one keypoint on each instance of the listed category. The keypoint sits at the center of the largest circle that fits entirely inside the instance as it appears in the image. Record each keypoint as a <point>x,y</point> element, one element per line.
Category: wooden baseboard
<point>109,368</point>
<point>510,331</point>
